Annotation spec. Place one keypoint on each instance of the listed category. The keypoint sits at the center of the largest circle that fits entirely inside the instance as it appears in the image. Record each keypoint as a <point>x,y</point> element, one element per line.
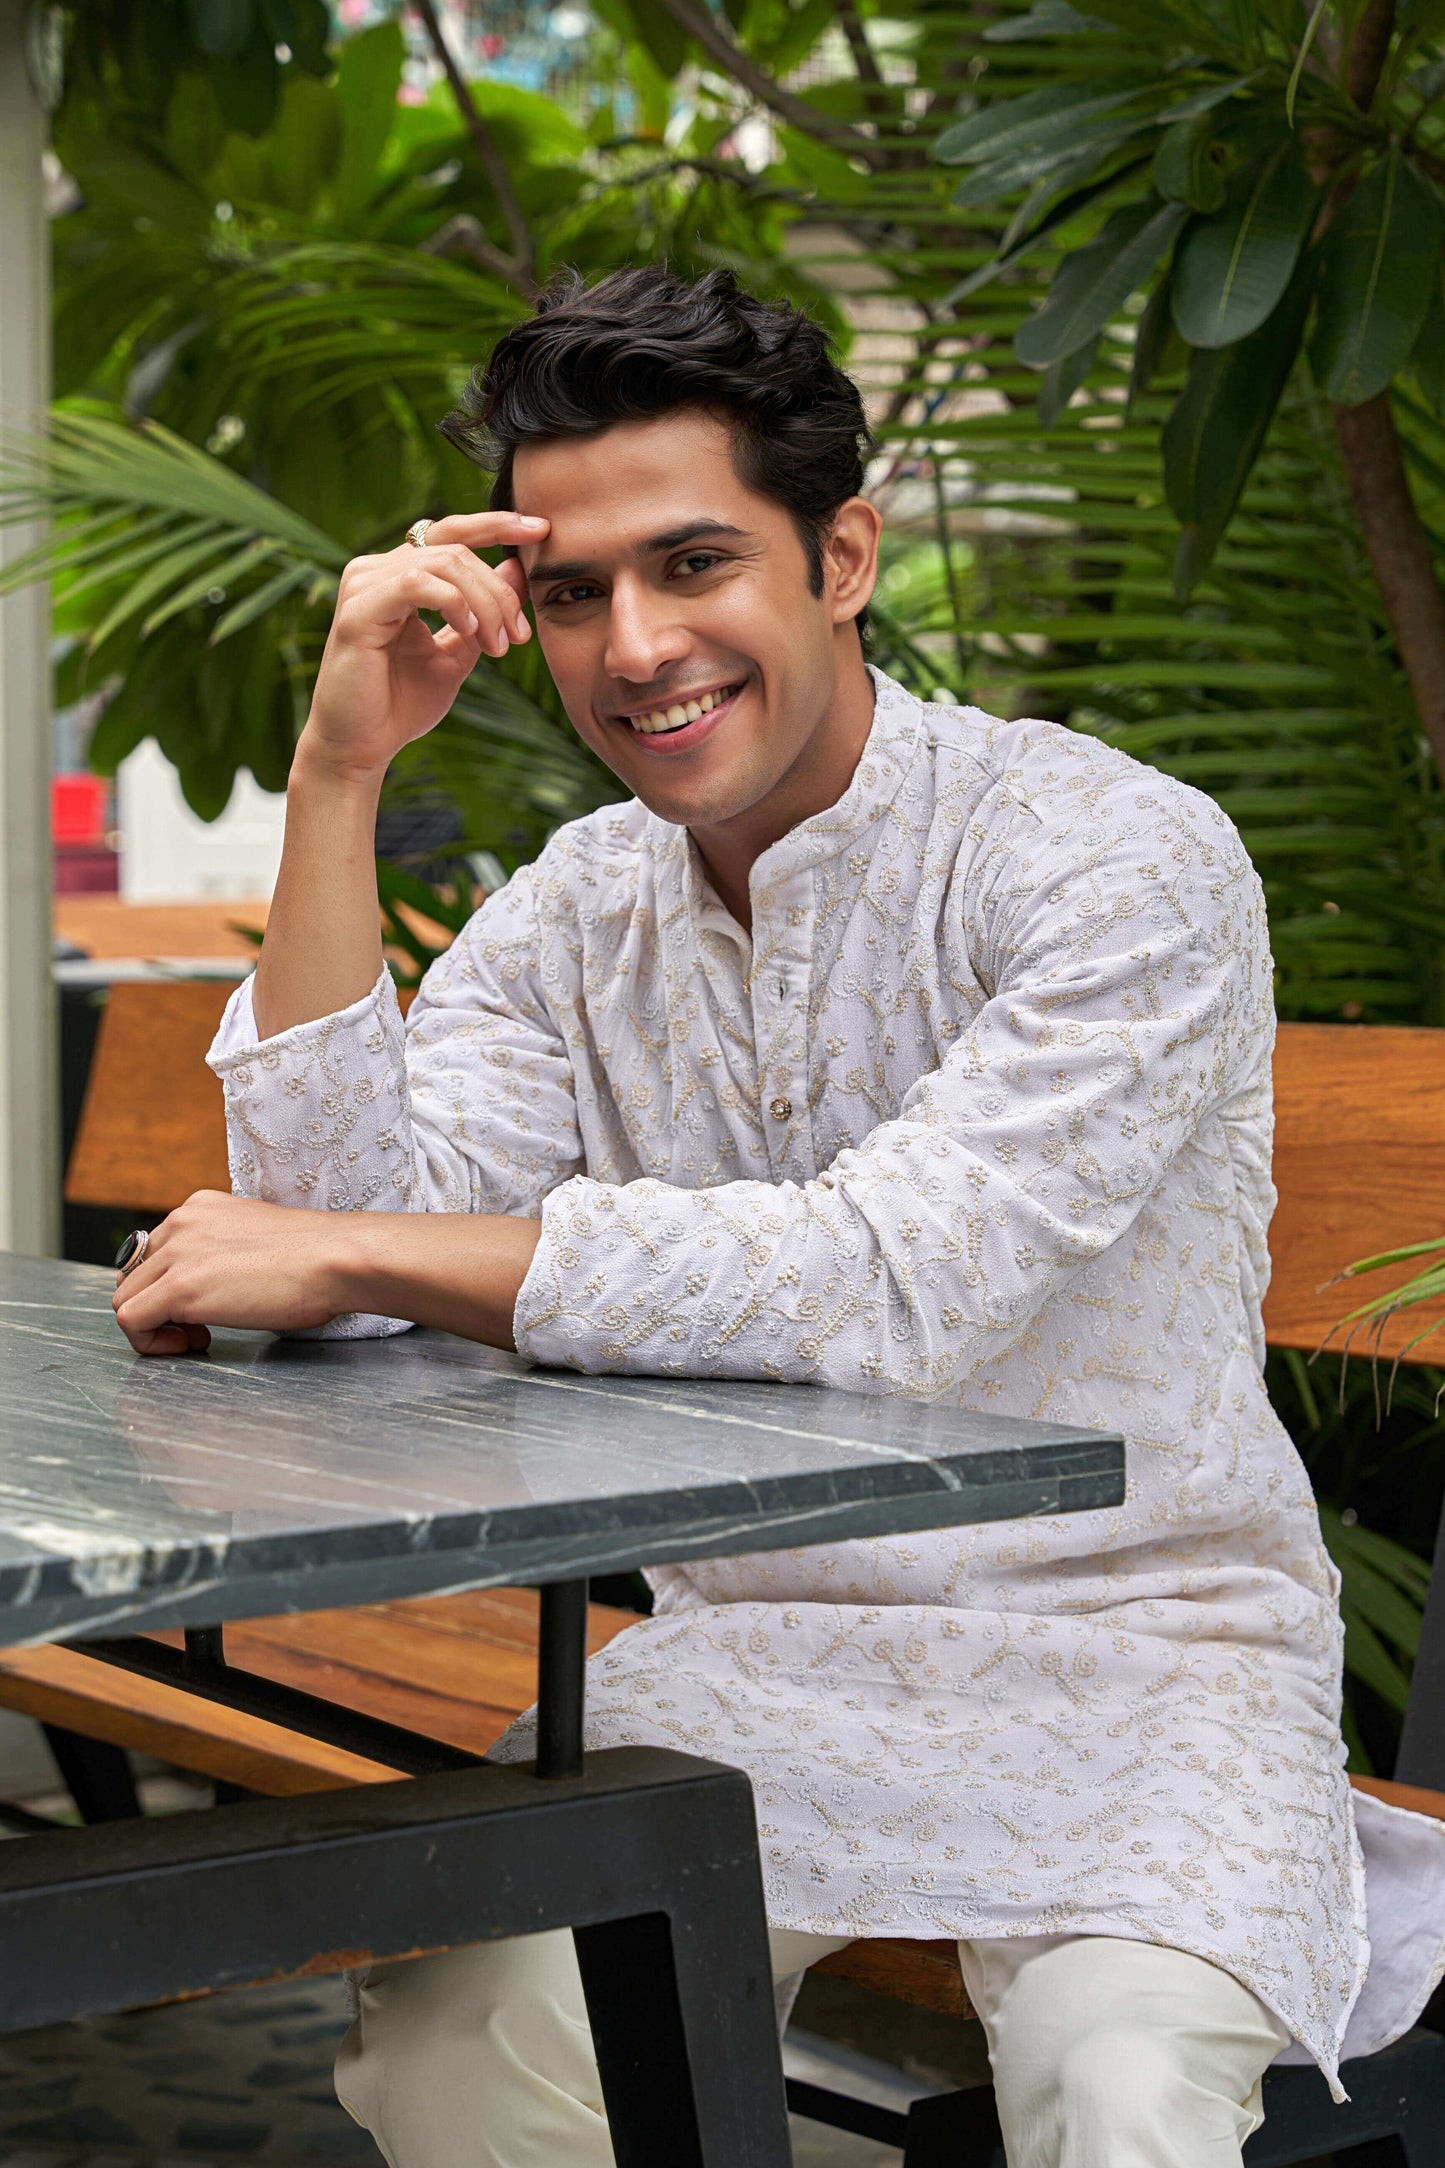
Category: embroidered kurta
<point>979,1113</point>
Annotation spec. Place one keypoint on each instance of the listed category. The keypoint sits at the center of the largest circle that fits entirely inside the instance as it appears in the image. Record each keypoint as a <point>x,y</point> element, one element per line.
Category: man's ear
<point>850,558</point>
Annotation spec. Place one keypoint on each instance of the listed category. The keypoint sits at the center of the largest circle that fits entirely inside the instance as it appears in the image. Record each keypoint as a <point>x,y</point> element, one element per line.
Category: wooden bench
<point>455,1668</point>
<point>1359,1166</point>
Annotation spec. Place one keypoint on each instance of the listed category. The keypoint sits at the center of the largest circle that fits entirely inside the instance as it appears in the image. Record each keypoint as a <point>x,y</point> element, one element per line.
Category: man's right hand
<point>385,678</point>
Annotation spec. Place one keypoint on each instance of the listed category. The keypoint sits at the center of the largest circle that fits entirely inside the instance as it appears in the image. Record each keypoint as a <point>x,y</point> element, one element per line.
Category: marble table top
<point>273,1476</point>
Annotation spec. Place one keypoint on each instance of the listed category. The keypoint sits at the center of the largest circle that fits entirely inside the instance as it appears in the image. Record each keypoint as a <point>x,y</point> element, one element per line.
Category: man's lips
<point>684,722</point>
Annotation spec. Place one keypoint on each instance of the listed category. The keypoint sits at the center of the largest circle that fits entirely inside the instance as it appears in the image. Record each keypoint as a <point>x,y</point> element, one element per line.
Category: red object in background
<point>85,863</point>
<point>78,808</point>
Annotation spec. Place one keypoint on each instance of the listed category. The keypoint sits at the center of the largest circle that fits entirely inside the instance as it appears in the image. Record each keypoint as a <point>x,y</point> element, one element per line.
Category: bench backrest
<point>151,1127</point>
<point>1359,1162</point>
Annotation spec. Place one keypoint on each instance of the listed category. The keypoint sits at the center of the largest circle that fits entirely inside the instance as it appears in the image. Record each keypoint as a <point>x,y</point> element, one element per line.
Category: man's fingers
<point>486,530</point>
<point>428,590</point>
<point>494,599</point>
<point>142,1309</point>
<point>171,1340</point>
<point>480,608</point>
<point>129,1284</point>
<point>145,1300</point>
<point>513,572</point>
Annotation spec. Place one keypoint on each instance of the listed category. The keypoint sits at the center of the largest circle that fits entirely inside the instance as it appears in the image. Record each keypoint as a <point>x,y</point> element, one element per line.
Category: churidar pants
<point>1102,2050</point>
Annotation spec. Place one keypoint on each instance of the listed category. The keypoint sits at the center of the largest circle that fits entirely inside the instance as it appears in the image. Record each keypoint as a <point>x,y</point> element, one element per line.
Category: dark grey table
<point>274,1476</point>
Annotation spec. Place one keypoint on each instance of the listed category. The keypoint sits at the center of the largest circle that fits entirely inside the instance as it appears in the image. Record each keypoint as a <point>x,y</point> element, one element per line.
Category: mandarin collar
<point>887,755</point>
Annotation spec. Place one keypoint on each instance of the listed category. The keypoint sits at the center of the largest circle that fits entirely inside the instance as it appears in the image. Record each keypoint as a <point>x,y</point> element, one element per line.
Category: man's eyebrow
<point>675,538</point>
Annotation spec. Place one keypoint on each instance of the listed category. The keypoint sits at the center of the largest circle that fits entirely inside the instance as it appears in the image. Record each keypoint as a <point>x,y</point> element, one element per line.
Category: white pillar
<point>29,1096</point>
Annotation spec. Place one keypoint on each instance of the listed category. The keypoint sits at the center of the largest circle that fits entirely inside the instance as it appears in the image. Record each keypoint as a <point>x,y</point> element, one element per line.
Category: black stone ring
<point>132,1250</point>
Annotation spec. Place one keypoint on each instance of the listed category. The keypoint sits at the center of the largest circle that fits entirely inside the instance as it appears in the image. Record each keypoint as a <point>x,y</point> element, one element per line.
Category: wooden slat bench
<point>455,1668</point>
<point>1360,1166</point>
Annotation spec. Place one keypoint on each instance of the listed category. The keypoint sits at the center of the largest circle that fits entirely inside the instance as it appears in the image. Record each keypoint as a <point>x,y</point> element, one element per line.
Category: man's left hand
<point>219,1260</point>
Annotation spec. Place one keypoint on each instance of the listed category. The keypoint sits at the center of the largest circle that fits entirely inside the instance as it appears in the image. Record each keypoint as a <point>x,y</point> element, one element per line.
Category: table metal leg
<point>206,1652</point>
<point>561,1678</point>
<point>675,1966</point>
<point>97,1775</point>
<point>684,2025</point>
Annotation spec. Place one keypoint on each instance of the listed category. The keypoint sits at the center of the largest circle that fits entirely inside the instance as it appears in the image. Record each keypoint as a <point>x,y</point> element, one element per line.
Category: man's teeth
<point>691,711</point>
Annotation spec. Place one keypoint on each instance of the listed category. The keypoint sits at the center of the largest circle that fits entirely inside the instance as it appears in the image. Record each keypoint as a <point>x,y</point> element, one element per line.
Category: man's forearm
<point>233,1261</point>
<point>323,937</point>
<point>460,1272</point>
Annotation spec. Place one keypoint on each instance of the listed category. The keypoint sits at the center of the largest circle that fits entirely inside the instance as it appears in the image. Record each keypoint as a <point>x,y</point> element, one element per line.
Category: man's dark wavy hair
<point>645,343</point>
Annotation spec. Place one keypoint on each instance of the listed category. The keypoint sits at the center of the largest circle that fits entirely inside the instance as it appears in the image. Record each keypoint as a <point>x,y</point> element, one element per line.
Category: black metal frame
<point>649,1856</point>
<point>96,1774</point>
<point>202,1668</point>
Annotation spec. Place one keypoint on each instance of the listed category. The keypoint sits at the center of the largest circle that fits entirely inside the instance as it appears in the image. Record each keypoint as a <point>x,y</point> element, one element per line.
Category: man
<point>874,1044</point>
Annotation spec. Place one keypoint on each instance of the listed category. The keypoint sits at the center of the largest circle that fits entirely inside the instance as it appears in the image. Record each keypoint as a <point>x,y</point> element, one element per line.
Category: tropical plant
<point>1423,1287</point>
<point>138,50</point>
<point>254,340</point>
<point>1273,179</point>
<point>1378,1471</point>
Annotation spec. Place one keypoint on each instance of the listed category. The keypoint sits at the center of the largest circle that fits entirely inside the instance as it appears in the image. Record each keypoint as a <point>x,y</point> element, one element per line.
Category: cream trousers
<point>1103,2051</point>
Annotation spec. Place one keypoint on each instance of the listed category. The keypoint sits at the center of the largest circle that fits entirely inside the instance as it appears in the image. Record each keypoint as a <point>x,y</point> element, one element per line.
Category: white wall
<point>168,855</point>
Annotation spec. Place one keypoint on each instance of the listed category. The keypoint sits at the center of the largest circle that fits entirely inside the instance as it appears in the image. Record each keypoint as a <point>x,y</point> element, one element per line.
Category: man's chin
<point>693,794</point>
<point>696,808</point>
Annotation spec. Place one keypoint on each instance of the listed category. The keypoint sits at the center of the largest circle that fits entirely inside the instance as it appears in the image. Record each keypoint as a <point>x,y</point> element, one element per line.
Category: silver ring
<point>132,1250</point>
<point>416,533</point>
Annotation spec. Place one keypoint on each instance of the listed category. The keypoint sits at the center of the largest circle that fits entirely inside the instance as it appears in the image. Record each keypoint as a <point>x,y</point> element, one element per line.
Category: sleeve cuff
<point>236,1039</point>
<point>535,1318</point>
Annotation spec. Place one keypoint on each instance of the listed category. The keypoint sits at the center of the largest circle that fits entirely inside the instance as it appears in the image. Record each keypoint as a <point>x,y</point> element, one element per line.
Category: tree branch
<point>522,266</point>
<point>730,170</point>
<point>464,235</point>
<point>707,31</point>
<point>1400,554</point>
<point>864,59</point>
<point>1368,51</point>
<point>865,64</point>
<point>1395,538</point>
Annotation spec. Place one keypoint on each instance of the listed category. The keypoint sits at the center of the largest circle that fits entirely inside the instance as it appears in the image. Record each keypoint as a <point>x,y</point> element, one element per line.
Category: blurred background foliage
<point>1136,293</point>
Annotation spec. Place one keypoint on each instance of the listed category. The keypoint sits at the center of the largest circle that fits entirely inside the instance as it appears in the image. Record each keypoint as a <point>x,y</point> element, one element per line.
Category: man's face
<point>674,610</point>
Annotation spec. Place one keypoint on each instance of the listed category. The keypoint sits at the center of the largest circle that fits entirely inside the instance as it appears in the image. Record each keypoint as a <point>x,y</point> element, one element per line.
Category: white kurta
<point>981,1114</point>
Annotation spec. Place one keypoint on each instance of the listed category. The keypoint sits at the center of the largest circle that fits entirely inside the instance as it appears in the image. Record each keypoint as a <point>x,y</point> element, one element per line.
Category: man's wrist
<point>319,770</point>
<point>358,1259</point>
<point>461,1272</point>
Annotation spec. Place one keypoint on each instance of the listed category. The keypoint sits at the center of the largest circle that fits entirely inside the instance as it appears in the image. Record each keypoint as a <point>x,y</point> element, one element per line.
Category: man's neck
<point>816,780</point>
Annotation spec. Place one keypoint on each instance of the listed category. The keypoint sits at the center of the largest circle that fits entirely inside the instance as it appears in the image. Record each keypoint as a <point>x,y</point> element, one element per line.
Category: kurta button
<point>781,1110</point>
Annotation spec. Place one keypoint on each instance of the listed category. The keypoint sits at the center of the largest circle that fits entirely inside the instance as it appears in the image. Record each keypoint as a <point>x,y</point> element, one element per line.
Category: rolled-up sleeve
<point>467,1106</point>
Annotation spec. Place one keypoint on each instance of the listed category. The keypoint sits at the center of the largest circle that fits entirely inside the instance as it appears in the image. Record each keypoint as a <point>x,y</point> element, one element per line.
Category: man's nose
<point>644,632</point>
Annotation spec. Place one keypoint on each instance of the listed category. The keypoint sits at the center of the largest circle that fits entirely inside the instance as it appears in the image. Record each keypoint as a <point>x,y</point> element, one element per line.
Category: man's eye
<point>579,591</point>
<point>699,561</point>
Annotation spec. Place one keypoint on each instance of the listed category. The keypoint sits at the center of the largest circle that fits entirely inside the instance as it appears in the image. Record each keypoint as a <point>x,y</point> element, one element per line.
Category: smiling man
<point>871,1043</point>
